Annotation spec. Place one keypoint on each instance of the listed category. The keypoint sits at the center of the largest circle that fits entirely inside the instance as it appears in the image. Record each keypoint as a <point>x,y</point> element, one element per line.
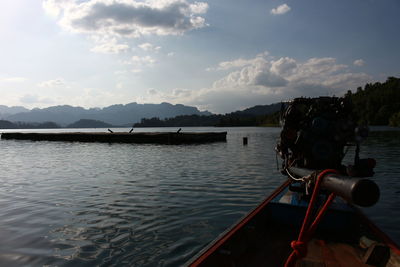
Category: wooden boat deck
<point>149,137</point>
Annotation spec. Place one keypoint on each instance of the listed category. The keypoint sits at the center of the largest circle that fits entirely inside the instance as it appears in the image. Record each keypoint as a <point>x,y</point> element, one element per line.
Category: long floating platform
<point>140,138</point>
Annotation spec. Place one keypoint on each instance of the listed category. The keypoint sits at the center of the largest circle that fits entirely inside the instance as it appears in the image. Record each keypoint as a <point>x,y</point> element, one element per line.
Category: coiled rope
<point>300,245</point>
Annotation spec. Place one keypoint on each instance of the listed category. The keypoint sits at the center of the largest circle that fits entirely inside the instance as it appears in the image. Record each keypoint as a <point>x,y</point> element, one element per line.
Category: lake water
<point>86,204</point>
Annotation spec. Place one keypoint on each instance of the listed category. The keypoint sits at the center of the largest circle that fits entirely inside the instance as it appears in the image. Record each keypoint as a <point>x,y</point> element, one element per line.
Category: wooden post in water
<point>245,141</point>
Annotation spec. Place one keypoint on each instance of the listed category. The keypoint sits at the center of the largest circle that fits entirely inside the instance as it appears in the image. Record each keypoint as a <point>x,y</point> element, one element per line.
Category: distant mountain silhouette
<point>85,123</point>
<point>259,110</point>
<point>254,116</point>
<point>116,114</point>
<point>7,111</point>
<point>7,125</point>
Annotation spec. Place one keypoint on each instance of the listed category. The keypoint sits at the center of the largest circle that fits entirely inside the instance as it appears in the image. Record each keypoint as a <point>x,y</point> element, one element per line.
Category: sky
<point>217,55</point>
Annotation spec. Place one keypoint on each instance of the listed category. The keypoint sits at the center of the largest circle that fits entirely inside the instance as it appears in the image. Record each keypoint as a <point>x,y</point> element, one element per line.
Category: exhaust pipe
<point>359,191</point>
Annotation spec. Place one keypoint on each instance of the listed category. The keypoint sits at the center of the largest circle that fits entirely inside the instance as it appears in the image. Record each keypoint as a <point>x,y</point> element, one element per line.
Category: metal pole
<point>359,191</point>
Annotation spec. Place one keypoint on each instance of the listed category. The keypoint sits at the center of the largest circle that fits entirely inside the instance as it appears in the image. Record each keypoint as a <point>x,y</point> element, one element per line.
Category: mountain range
<point>7,111</point>
<point>375,104</point>
<point>117,115</point>
<point>259,110</point>
<point>120,115</point>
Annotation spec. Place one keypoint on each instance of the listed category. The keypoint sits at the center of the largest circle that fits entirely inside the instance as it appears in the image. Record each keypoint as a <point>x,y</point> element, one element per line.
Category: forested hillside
<point>378,103</point>
<point>375,104</point>
<point>227,120</point>
<point>24,125</point>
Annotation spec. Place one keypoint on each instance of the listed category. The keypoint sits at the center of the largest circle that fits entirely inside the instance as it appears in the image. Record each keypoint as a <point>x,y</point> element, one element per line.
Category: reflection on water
<point>146,205</point>
<point>385,148</point>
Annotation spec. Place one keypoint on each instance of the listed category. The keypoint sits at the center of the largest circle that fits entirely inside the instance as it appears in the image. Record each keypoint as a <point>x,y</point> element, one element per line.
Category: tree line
<point>378,103</point>
<point>27,125</point>
<point>227,120</point>
<point>375,104</point>
<point>83,123</point>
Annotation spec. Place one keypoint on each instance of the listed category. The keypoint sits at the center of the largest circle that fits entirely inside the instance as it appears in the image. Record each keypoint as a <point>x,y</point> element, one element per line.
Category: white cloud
<point>123,18</point>
<point>109,46</point>
<point>226,65</point>
<point>199,8</point>
<point>264,80</point>
<point>136,70</point>
<point>119,85</point>
<point>12,79</point>
<point>153,92</point>
<point>238,63</point>
<point>359,62</point>
<point>53,83</point>
<point>314,68</point>
<point>53,7</point>
<point>149,47</point>
<point>107,22</point>
<point>139,61</point>
<point>284,66</point>
<point>95,97</point>
<point>280,10</point>
<point>256,72</point>
<point>177,92</point>
<point>30,99</point>
<point>120,72</point>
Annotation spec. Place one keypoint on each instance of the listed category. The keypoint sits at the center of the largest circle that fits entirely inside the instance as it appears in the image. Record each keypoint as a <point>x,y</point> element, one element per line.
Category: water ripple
<point>69,204</point>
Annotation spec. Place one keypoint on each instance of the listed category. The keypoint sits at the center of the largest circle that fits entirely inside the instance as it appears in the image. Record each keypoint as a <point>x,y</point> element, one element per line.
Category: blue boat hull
<point>344,237</point>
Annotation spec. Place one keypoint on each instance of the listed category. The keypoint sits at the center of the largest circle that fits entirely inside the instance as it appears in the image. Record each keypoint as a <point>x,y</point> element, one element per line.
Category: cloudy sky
<point>217,55</point>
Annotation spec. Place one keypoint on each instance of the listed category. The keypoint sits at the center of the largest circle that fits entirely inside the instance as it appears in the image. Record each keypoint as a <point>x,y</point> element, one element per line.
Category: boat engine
<point>316,132</point>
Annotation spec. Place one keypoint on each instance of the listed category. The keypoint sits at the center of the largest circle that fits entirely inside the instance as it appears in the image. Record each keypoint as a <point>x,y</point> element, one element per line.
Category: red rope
<point>300,245</point>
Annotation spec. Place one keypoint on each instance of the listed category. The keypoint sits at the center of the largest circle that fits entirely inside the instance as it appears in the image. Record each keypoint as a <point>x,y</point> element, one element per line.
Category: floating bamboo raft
<point>141,138</point>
